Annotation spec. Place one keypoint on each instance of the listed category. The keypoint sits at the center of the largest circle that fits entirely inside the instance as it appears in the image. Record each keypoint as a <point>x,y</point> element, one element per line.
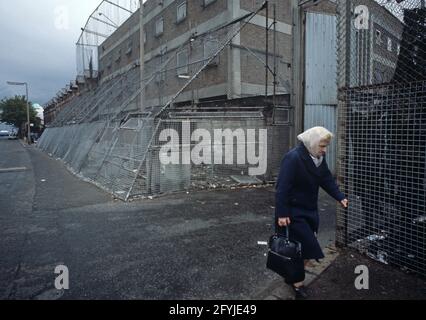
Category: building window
<point>160,68</point>
<point>207,2</point>
<point>159,27</point>
<point>181,12</point>
<point>390,44</point>
<point>210,48</point>
<point>182,63</point>
<point>378,37</point>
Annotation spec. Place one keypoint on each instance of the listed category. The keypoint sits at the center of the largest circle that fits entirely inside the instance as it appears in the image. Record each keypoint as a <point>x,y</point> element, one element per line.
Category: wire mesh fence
<point>213,153</point>
<point>105,102</point>
<point>382,130</point>
<point>104,20</point>
<point>145,156</point>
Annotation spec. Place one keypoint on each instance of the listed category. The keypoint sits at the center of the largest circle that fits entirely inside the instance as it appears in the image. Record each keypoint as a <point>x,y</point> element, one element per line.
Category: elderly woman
<point>303,171</point>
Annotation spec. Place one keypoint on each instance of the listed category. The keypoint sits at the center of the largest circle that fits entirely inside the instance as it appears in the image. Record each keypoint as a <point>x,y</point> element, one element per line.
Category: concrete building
<point>182,35</point>
<point>120,52</point>
<point>179,36</point>
<point>209,62</point>
<point>377,45</point>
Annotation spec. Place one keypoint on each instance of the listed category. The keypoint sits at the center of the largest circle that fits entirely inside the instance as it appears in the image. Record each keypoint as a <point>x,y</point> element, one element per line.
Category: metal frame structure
<point>103,21</point>
<point>118,149</point>
<point>382,130</point>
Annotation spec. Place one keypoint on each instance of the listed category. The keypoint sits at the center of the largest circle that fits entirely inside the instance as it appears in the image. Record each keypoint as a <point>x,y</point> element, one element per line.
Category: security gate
<point>382,130</point>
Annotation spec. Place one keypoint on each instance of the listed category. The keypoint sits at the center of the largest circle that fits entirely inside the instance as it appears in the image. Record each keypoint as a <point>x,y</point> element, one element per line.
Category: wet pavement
<point>188,246</point>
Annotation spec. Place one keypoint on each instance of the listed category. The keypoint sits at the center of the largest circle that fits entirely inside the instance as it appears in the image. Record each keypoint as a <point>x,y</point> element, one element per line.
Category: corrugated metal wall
<point>321,73</point>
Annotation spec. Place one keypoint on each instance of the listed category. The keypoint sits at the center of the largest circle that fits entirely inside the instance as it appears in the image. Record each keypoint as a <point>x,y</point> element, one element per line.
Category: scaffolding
<point>104,20</point>
<point>382,130</point>
<point>105,137</point>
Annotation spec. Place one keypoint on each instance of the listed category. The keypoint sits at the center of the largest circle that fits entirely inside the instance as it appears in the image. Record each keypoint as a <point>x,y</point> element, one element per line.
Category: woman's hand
<point>344,203</point>
<point>284,222</point>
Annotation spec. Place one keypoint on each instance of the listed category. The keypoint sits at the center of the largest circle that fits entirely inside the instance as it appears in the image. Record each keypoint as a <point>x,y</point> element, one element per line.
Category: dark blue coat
<point>297,197</point>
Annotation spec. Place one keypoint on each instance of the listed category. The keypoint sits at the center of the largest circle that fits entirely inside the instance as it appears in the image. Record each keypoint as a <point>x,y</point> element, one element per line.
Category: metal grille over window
<point>382,130</point>
<point>182,63</point>
<point>159,27</point>
<point>181,12</point>
<point>211,45</point>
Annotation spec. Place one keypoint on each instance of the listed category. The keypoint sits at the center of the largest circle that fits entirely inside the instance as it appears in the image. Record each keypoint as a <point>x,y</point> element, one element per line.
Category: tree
<point>14,111</point>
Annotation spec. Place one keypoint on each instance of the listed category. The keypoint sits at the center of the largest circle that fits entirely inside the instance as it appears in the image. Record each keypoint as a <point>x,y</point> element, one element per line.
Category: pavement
<point>385,282</point>
<point>336,276</point>
<point>203,245</point>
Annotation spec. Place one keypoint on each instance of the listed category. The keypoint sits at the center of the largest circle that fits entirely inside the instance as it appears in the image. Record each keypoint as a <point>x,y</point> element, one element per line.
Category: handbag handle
<point>287,232</point>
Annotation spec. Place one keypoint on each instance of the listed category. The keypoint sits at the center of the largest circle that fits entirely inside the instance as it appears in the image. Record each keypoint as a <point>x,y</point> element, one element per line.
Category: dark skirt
<point>304,225</point>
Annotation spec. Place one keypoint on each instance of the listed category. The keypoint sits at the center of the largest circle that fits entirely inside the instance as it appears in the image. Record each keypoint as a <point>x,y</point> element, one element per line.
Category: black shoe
<point>300,293</point>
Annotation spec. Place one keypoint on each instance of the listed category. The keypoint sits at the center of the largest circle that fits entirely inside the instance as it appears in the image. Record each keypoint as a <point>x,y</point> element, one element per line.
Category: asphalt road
<point>201,245</point>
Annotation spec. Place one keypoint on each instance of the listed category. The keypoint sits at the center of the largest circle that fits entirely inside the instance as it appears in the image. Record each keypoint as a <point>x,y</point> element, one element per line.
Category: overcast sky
<point>37,44</point>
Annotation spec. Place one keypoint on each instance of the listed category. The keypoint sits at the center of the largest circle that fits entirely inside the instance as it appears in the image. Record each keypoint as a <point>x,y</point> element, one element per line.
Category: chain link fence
<point>382,130</point>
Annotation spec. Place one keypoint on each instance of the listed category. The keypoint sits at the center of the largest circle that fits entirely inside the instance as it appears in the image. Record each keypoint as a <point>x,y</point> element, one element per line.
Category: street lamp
<point>28,107</point>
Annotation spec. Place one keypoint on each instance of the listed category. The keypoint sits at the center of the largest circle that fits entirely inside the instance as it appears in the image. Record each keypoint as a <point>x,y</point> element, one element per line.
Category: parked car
<point>4,133</point>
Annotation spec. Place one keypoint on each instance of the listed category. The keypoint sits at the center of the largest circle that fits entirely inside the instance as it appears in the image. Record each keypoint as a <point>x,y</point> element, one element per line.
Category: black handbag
<point>285,258</point>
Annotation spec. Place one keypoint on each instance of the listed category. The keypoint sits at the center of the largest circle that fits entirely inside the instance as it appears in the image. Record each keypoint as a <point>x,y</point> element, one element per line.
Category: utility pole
<point>267,50</point>
<point>142,54</point>
<point>275,55</point>
<point>297,70</point>
<point>28,115</point>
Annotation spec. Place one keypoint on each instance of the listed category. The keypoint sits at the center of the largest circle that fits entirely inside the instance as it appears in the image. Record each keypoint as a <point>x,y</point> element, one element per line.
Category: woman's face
<point>321,149</point>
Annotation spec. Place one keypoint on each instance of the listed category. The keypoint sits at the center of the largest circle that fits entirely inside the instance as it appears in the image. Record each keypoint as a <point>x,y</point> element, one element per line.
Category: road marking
<point>8,170</point>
